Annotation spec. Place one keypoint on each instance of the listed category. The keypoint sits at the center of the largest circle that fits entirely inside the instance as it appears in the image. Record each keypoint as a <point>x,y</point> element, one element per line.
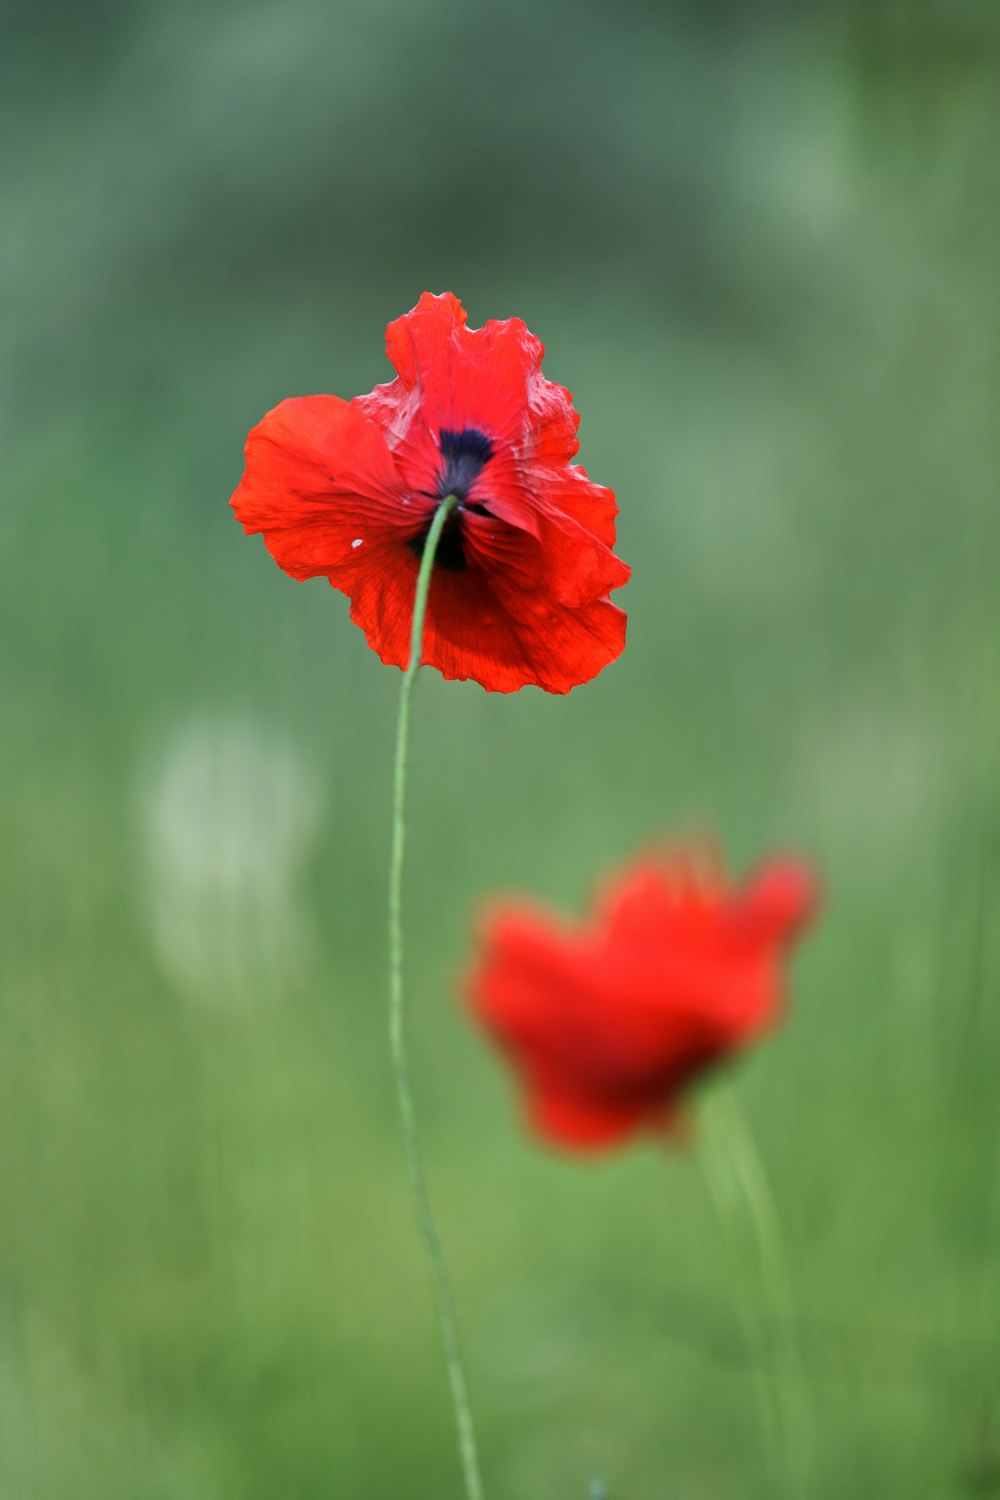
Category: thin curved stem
<point>735,1175</point>
<point>397,1028</point>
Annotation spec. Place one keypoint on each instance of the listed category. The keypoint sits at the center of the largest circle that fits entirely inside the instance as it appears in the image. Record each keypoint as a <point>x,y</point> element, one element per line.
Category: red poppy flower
<point>608,1020</point>
<point>347,490</point>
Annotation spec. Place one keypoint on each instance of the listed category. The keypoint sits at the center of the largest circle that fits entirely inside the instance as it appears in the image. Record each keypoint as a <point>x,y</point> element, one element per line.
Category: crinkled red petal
<point>560,508</point>
<point>491,625</point>
<point>467,377</point>
<point>322,486</point>
<point>488,378</point>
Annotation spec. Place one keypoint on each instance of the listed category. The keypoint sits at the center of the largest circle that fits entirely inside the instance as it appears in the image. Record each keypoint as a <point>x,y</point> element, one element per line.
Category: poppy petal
<point>466,377</point>
<point>491,625</point>
<point>562,512</point>
<point>780,898</point>
<point>517,633</point>
<point>580,1123</point>
<point>322,486</point>
<point>552,423</point>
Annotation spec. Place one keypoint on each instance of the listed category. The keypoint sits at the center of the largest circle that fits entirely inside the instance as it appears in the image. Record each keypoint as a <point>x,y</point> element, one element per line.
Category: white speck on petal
<point>406,499</point>
<point>357,541</point>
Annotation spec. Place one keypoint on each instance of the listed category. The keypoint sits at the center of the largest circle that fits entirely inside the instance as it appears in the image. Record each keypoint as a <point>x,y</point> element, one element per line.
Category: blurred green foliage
<point>761,246</point>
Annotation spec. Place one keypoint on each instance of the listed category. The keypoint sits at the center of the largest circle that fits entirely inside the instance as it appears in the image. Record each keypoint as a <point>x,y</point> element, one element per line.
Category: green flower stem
<point>746,1210</point>
<point>397,1027</point>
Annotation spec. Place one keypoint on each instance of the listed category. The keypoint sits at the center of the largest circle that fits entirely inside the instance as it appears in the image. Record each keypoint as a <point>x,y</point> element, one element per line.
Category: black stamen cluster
<point>464,455</point>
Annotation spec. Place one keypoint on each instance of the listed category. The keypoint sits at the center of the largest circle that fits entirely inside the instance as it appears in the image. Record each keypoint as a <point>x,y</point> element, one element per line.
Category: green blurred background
<point>761,245</point>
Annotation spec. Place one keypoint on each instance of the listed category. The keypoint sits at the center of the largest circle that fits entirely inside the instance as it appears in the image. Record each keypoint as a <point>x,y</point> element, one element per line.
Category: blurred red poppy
<point>347,490</point>
<point>607,1021</point>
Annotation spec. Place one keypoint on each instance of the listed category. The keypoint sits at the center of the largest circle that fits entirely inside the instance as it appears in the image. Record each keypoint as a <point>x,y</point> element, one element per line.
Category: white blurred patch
<point>229,812</point>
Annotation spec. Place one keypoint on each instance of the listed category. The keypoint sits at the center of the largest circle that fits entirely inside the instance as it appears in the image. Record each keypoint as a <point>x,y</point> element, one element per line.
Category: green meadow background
<point>762,246</point>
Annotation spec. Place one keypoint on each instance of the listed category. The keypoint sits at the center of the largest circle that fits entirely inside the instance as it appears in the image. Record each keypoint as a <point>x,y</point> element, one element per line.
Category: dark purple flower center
<point>464,455</point>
